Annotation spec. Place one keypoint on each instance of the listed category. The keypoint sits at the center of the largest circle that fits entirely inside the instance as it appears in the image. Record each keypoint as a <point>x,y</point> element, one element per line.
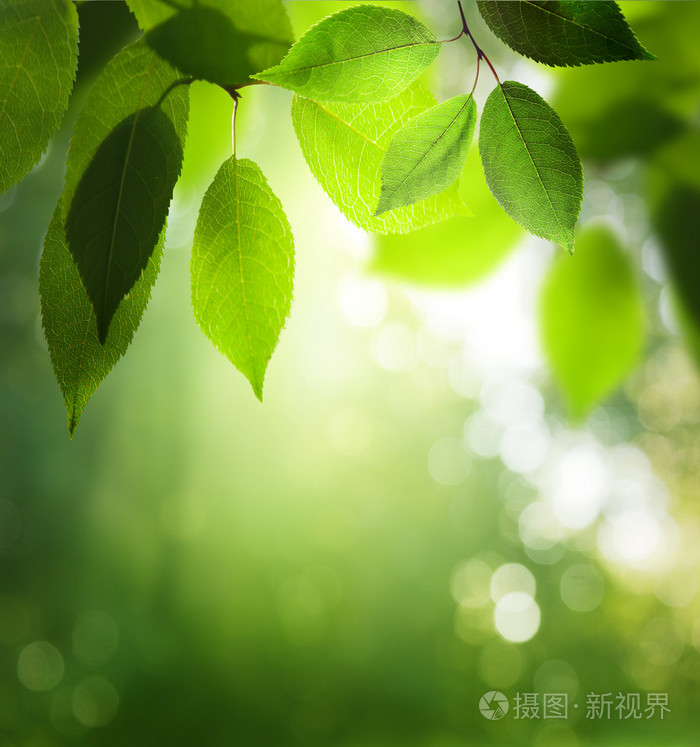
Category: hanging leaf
<point>38,59</point>
<point>564,33</point>
<point>531,163</point>
<point>222,41</point>
<point>363,53</point>
<point>428,154</point>
<point>242,268</point>
<point>591,319</point>
<point>455,252</point>
<point>80,361</point>
<point>344,145</point>
<point>125,157</point>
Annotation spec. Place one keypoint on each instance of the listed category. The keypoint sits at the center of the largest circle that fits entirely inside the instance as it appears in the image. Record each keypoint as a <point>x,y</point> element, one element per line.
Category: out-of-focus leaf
<point>456,252</point>
<point>564,33</point>
<point>531,163</point>
<point>618,131</point>
<point>344,145</point>
<point>38,59</point>
<point>591,319</point>
<point>674,197</point>
<point>242,268</point>
<point>428,154</point>
<point>676,162</point>
<point>80,362</point>
<point>363,53</point>
<point>222,41</point>
<point>125,157</point>
<point>677,222</point>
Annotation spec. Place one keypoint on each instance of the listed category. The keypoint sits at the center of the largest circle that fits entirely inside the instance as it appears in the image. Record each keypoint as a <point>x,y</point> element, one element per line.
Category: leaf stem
<point>235,97</point>
<point>253,83</point>
<point>447,41</point>
<point>476,80</point>
<point>479,51</point>
<point>232,91</point>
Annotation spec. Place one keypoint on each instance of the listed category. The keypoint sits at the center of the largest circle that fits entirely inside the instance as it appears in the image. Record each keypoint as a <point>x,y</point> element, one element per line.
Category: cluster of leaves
<point>374,137</point>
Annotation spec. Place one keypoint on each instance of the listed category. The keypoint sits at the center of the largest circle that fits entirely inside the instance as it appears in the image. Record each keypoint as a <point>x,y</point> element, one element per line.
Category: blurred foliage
<point>592,319</point>
<point>196,569</point>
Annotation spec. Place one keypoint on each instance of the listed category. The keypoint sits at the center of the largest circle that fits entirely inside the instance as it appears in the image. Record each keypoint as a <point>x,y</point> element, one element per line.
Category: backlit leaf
<point>455,252</point>
<point>344,145</point>
<point>531,163</point>
<point>564,32</point>
<point>428,154</point>
<point>38,58</point>
<point>242,268</point>
<point>125,157</point>
<point>591,319</point>
<point>222,41</point>
<point>79,361</point>
<point>363,53</point>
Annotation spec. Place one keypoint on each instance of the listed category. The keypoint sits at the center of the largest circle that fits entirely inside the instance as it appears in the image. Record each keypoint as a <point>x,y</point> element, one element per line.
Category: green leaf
<point>242,268</point>
<point>564,33</point>
<point>428,154</point>
<point>222,41</point>
<point>458,251</point>
<point>677,222</point>
<point>363,53</point>
<point>125,157</point>
<point>591,319</point>
<point>531,163</point>
<point>673,195</point>
<point>38,59</point>
<point>344,145</point>
<point>80,362</point>
<point>586,94</point>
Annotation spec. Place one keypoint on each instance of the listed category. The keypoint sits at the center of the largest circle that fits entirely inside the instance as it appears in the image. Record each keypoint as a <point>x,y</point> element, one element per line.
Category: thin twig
<point>479,50</point>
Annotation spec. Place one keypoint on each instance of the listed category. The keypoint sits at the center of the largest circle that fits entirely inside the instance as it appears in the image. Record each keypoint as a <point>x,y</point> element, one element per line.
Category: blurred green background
<point>410,520</point>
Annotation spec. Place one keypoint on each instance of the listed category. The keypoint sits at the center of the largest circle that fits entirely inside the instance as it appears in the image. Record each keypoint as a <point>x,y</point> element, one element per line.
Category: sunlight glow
<point>517,617</point>
<point>509,578</point>
<point>40,666</point>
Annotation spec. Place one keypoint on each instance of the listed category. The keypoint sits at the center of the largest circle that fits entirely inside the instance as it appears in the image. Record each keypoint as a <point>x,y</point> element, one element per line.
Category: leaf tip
<point>383,205</point>
<point>102,332</point>
<point>73,418</point>
<point>103,325</point>
<point>568,243</point>
<point>257,388</point>
<point>579,405</point>
<point>256,378</point>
